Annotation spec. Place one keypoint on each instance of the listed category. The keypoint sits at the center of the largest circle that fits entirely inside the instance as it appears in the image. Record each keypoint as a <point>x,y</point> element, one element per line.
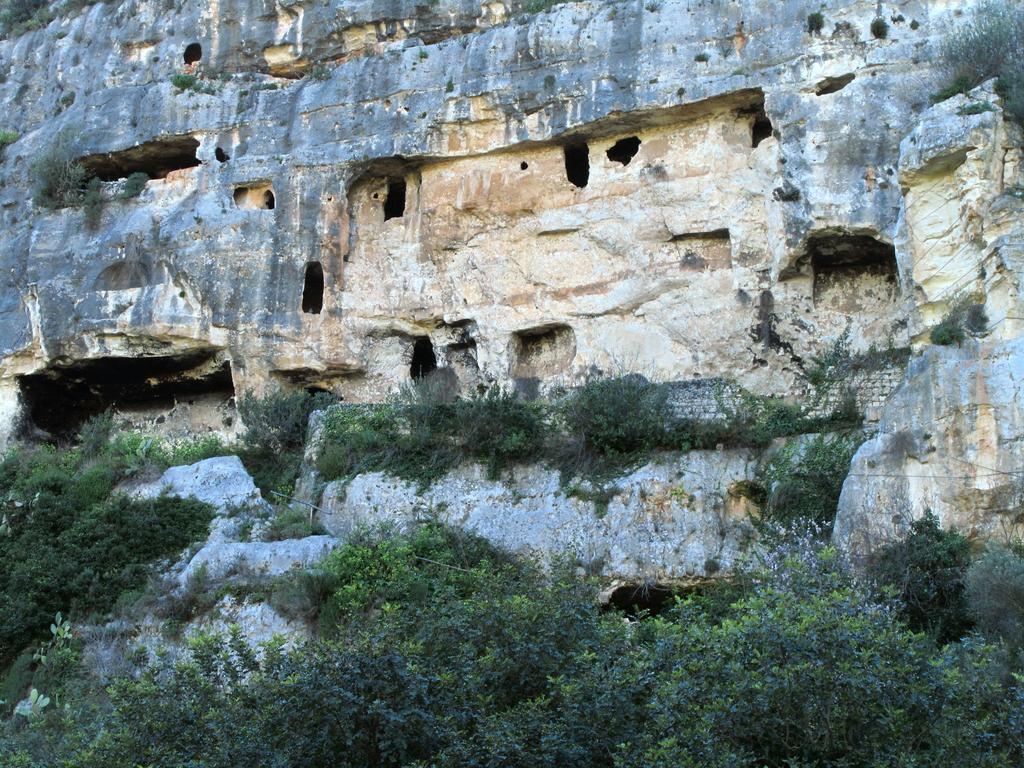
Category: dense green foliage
<point>990,43</point>
<point>964,316</point>
<point>438,650</point>
<point>926,571</point>
<point>995,597</point>
<point>275,434</point>
<point>68,545</point>
<point>597,430</point>
<point>803,479</point>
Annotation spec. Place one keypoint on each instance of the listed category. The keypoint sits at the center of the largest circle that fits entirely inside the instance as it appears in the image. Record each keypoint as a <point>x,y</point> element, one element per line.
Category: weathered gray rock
<point>221,481</point>
<point>682,519</point>
<point>220,559</point>
<point>950,442</point>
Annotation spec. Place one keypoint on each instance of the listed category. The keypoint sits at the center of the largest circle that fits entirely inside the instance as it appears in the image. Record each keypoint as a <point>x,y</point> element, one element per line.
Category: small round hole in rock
<point>193,53</point>
<point>624,150</point>
<point>221,155</point>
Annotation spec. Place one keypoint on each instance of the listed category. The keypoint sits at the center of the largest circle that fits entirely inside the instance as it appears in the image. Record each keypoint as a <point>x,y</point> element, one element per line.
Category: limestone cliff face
<point>949,440</point>
<point>691,189</point>
<point>347,197</point>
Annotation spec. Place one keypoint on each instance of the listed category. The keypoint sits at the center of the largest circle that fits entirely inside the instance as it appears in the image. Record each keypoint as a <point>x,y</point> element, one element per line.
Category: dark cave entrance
<point>424,361</point>
<point>268,200</point>
<point>577,164</point>
<point>624,150</point>
<point>221,155</point>
<point>154,158</point>
<point>313,289</point>
<point>394,202</point>
<point>60,398</point>
<point>852,273</point>
<point>193,53</point>
<point>639,600</point>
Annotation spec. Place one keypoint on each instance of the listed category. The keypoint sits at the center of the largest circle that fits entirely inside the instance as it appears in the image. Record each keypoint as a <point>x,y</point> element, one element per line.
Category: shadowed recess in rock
<point>394,202</point>
<point>155,158</point>
<point>313,289</point>
<point>193,53</point>
<point>636,600</point>
<point>852,271</point>
<point>624,150</point>
<point>424,361</point>
<point>543,352</point>
<point>577,164</point>
<point>59,399</point>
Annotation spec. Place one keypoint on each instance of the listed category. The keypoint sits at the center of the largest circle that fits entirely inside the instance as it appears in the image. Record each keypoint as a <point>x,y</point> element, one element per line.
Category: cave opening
<point>833,84</point>
<point>852,272</point>
<point>624,150</point>
<point>577,164</point>
<point>193,53</point>
<point>155,158</point>
<point>542,352</point>
<point>424,361</point>
<point>761,128</point>
<point>221,155</point>
<point>313,289</point>
<point>394,201</point>
<point>59,399</point>
<point>641,600</point>
<point>259,197</point>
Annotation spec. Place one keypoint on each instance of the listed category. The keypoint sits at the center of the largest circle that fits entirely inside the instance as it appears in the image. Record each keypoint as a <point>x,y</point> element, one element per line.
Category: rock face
<point>673,521</point>
<point>951,439</point>
<point>221,481</point>
<point>685,189</point>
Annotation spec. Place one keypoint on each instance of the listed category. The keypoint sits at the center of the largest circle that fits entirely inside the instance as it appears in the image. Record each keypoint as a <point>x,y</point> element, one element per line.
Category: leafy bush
<point>133,185</point>
<point>186,82</point>
<point>7,138</point>
<point>73,547</point>
<point>990,43</point>
<point>802,481</point>
<point>92,202</point>
<point>964,316</point>
<point>278,421</point>
<point>815,22</point>
<point>438,649</point>
<point>995,596</point>
<point>59,179</point>
<point>925,570</point>
<point>879,28</point>
<point>610,423</point>
<point>17,14</point>
<point>291,524</point>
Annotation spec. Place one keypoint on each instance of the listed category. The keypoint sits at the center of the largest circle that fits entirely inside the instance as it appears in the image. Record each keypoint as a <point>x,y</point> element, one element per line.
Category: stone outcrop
<point>951,439</point>
<point>686,189</point>
<point>685,518</point>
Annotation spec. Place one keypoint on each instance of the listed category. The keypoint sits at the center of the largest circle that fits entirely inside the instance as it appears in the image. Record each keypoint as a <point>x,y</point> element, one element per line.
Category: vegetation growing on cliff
<point>989,44</point>
<point>69,543</point>
<point>598,430</point>
<point>437,649</point>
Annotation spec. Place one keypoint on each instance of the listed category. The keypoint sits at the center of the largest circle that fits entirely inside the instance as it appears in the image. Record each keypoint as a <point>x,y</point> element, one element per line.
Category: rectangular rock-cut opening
<point>700,250</point>
<point>543,352</point>
<point>852,273</point>
<point>255,197</point>
<point>313,289</point>
<point>155,158</point>
<point>833,84</point>
<point>394,200</point>
<point>59,399</point>
<point>424,361</point>
<point>577,163</point>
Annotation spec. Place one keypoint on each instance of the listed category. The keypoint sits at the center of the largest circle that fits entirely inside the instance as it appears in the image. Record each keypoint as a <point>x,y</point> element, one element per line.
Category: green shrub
<point>995,597</point>
<point>990,43</point>
<point>437,649</point>
<point>613,421</point>
<point>278,421</point>
<point>133,185</point>
<point>925,570</point>
<point>72,546</point>
<point>291,524</point>
<point>802,481</point>
<point>963,317</point>
<point>499,428</point>
<point>59,179</point>
<point>92,202</point>
<point>879,28</point>
<point>17,14</point>
<point>815,22</point>
<point>186,82</point>
<point>7,138</point>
